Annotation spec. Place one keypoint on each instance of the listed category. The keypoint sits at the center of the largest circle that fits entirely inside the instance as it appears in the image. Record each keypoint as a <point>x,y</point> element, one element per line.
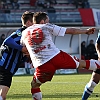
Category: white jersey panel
<point>47,49</point>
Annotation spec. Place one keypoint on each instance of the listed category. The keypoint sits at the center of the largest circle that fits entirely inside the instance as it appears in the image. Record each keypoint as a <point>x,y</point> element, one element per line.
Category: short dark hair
<point>2,34</point>
<point>27,16</point>
<point>38,16</point>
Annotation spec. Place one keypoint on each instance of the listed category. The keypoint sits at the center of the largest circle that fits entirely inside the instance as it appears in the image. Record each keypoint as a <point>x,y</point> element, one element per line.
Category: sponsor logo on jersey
<point>19,33</point>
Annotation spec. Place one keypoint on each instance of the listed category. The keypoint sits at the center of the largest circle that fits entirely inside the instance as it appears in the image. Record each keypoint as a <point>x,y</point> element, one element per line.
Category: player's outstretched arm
<point>12,43</point>
<point>80,31</point>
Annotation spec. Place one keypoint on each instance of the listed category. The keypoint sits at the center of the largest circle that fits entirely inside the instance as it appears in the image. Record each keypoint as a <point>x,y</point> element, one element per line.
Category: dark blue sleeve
<point>10,42</point>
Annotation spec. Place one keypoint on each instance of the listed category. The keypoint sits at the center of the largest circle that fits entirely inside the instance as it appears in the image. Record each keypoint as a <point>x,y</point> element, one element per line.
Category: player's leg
<point>42,74</point>
<point>3,92</point>
<point>67,61</point>
<point>5,83</point>
<point>35,90</point>
<point>91,85</point>
<point>89,64</point>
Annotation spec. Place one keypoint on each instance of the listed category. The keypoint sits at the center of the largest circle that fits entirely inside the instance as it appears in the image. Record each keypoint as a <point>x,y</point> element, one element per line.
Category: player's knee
<point>3,97</point>
<point>82,64</point>
<point>35,85</point>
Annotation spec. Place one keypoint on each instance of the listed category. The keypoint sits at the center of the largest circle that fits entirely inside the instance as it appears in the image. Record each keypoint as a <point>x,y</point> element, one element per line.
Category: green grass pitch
<point>62,87</point>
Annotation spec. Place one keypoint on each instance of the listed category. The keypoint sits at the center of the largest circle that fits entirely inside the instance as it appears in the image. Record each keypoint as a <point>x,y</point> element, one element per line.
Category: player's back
<point>12,57</point>
<point>41,52</point>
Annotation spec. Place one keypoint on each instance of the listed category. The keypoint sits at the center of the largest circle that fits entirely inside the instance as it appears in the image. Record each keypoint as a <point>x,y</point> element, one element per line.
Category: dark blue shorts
<point>5,77</point>
<point>97,71</point>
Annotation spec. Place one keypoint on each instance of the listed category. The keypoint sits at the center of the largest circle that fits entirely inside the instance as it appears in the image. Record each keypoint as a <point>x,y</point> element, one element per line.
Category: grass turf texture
<point>62,87</point>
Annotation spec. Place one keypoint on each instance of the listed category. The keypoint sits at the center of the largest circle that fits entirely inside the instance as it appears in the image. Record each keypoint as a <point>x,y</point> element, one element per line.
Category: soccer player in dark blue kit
<point>12,56</point>
<point>95,78</point>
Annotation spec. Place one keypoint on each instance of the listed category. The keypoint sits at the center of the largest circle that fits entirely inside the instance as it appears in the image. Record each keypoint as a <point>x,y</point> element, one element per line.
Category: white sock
<point>94,64</point>
<point>1,98</point>
<point>37,96</point>
<point>91,85</point>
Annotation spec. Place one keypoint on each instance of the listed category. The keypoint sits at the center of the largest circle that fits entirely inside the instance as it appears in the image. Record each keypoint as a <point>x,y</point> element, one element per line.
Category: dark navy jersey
<point>12,57</point>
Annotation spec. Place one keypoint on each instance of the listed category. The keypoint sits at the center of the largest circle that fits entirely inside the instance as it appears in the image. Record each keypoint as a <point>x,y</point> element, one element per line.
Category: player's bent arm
<point>75,31</point>
<point>11,43</point>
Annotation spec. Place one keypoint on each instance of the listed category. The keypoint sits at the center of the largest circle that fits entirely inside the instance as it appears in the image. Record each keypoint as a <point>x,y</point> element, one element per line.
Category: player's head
<point>27,18</point>
<point>40,18</point>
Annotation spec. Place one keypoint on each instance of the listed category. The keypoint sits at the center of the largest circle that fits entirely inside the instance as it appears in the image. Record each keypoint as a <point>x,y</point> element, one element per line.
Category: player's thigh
<point>44,73</point>
<point>3,90</point>
<point>65,61</point>
<point>5,78</point>
<point>96,76</point>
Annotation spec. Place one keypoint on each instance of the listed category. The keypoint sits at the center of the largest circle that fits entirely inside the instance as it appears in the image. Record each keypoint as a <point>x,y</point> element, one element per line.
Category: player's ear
<point>42,22</point>
<point>28,23</point>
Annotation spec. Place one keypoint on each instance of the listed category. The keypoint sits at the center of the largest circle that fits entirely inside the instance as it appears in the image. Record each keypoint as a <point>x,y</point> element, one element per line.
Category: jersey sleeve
<point>57,30</point>
<point>11,42</point>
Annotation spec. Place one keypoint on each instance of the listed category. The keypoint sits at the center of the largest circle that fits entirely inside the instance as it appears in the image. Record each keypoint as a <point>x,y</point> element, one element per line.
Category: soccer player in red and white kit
<point>45,56</point>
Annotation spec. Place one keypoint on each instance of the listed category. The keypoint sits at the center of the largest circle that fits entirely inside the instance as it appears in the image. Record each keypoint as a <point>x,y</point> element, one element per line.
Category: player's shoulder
<point>50,25</point>
<point>18,32</point>
<point>45,26</point>
<point>23,28</point>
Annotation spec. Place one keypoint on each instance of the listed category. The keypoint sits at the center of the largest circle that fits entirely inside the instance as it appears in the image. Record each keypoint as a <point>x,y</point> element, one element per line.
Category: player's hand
<point>90,31</point>
<point>25,51</point>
